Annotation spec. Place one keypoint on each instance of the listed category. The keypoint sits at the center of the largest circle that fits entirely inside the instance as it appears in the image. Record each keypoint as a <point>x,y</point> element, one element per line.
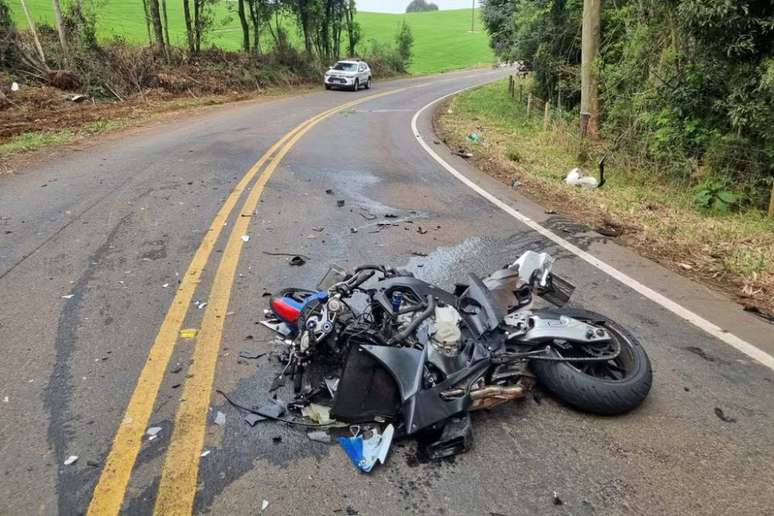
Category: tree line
<point>322,24</point>
<point>689,83</point>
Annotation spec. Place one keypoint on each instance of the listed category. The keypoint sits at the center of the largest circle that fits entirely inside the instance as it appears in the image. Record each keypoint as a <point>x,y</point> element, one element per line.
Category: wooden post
<point>771,201</point>
<point>559,101</point>
<point>546,115</point>
<point>34,31</point>
<point>521,93</point>
<point>529,103</point>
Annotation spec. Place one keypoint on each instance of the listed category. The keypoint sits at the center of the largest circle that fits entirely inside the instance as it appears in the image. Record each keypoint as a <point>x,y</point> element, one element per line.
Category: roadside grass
<point>733,252</point>
<point>442,39</point>
<point>33,141</point>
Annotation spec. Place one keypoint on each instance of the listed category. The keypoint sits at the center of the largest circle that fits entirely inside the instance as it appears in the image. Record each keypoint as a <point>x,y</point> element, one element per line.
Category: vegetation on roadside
<point>658,217</point>
<point>687,85</point>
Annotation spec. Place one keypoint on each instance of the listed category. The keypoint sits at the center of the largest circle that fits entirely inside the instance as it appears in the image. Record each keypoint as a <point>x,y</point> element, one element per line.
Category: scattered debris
<point>516,183</point>
<point>437,142</point>
<point>723,417</point>
<point>340,203</point>
<point>165,285</point>
<point>421,231</point>
<point>68,296</point>
<point>684,266</point>
<point>283,254</point>
<point>189,333</point>
<point>367,215</point>
<point>473,137</point>
<point>576,177</point>
<point>353,230</point>
<point>610,229</point>
<point>92,463</point>
<point>264,505</point>
<point>245,238</point>
<point>200,304</point>
<point>318,413</point>
<point>220,418</point>
<point>253,419</point>
<point>176,369</point>
<point>205,453</point>
<point>557,500</point>
<point>319,436</point>
<point>329,191</point>
<point>463,154</point>
<point>419,253</point>
<point>276,439</point>
<point>72,459</point>
<point>550,212</point>
<point>319,229</point>
<point>77,98</point>
<point>14,86</point>
<point>365,453</point>
<point>332,384</point>
<point>297,261</point>
<point>153,431</point>
<point>753,309</point>
<point>250,355</point>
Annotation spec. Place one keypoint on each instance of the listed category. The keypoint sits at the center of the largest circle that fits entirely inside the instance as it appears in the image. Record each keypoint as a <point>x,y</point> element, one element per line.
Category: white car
<point>352,74</point>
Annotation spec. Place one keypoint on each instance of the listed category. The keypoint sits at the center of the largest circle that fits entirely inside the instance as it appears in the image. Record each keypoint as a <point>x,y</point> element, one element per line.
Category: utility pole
<point>592,13</point>
<point>473,17</point>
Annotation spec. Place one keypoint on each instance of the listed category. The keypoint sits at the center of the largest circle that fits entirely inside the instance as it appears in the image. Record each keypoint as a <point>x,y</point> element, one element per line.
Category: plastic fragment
<point>205,453</point>
<point>72,459</point>
<point>245,238</point>
<point>264,505</point>
<point>318,413</point>
<point>68,296</point>
<point>576,177</point>
<point>365,453</point>
<point>220,418</point>
<point>152,431</point>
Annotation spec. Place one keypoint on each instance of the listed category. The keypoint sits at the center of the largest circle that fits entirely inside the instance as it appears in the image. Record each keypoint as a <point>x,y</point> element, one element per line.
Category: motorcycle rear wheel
<point>604,388</point>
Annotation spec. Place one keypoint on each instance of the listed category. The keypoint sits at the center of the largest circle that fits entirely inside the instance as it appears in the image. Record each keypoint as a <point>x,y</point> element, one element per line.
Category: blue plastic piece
<point>353,446</point>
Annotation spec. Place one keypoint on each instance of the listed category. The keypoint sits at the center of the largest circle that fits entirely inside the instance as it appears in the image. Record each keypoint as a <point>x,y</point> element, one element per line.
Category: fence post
<point>529,103</point>
<point>559,101</point>
<point>521,93</point>
<point>546,114</point>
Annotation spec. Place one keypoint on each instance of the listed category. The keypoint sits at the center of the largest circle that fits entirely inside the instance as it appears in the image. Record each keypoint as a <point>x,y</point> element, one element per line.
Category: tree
<point>61,28</point>
<point>189,28</point>
<point>405,41</point>
<point>158,26</point>
<point>353,28</point>
<point>418,6</point>
<point>244,24</point>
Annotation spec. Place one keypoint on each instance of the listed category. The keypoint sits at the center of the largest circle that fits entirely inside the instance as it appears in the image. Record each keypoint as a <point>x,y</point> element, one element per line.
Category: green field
<point>443,40</point>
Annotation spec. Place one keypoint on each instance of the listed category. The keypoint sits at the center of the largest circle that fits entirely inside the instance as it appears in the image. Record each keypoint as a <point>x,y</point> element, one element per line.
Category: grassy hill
<point>442,39</point>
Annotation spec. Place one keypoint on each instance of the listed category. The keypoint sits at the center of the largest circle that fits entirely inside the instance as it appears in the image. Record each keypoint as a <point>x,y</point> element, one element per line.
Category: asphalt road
<point>107,250</point>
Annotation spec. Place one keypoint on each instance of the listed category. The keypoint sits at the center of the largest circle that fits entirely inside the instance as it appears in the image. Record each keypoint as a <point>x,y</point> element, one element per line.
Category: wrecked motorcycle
<point>390,347</point>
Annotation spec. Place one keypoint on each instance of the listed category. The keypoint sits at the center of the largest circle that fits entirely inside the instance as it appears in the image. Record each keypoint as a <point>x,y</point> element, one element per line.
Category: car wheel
<point>356,86</point>
<point>327,86</point>
<point>368,84</point>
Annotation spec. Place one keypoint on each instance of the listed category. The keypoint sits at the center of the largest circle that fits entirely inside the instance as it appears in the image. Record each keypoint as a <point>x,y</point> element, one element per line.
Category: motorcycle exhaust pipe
<point>488,396</point>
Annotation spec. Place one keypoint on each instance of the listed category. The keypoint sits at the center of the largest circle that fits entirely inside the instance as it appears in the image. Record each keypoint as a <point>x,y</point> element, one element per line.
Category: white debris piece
<point>576,177</point>
<point>220,418</point>
<point>264,505</point>
<point>205,453</point>
<point>245,238</point>
<point>72,459</point>
<point>14,86</point>
<point>68,296</point>
<point>152,431</point>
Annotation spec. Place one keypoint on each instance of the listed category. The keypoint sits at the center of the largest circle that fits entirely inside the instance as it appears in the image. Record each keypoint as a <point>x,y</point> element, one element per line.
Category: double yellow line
<point>178,481</point>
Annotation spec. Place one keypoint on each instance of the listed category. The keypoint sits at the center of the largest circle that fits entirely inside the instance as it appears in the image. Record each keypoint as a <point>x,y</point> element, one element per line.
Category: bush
<point>405,43</point>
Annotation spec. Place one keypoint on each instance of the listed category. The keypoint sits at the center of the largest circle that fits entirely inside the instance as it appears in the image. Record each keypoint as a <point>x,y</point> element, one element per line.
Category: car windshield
<point>345,67</point>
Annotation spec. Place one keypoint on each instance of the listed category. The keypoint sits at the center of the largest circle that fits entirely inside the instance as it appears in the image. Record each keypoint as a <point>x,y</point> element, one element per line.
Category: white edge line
<point>732,340</point>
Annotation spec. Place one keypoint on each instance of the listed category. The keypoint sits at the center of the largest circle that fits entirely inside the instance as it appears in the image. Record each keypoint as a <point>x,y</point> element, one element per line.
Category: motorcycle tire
<point>594,394</point>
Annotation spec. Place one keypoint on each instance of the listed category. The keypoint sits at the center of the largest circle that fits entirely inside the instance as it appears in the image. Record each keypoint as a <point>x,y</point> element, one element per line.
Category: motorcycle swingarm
<point>535,328</point>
